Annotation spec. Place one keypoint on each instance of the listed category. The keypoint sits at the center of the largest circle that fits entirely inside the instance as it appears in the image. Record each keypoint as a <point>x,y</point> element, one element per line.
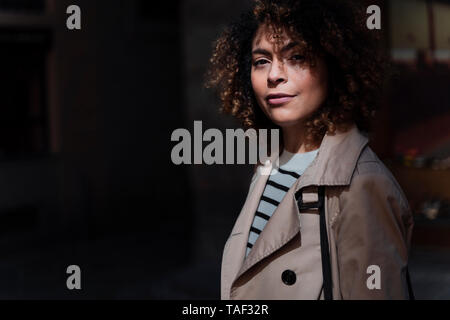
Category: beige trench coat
<point>368,219</point>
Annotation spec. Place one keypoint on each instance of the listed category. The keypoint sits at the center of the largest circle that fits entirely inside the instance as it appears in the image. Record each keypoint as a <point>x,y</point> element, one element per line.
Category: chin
<point>286,120</point>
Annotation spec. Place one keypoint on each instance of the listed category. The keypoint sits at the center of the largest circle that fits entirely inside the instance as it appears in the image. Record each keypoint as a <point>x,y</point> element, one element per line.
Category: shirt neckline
<point>296,161</point>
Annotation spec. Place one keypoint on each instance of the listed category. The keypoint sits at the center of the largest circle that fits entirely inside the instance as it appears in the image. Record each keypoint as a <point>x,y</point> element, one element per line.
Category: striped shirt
<point>281,179</point>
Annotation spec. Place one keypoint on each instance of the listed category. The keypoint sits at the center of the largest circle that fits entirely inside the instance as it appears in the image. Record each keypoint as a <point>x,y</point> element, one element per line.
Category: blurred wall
<point>107,195</point>
<point>218,191</point>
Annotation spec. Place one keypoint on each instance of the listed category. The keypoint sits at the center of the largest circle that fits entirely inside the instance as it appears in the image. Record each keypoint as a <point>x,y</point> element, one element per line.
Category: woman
<point>330,221</point>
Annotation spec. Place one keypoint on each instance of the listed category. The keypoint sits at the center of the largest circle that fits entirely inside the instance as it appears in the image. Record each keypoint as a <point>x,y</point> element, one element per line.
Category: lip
<point>279,98</point>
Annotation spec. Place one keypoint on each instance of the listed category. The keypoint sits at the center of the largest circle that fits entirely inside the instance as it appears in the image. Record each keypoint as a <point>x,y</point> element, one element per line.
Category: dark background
<point>86,118</point>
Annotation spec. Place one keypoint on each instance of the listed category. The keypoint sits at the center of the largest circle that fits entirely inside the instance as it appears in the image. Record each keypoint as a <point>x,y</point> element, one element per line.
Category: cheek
<point>258,84</point>
<point>313,85</point>
<point>319,81</point>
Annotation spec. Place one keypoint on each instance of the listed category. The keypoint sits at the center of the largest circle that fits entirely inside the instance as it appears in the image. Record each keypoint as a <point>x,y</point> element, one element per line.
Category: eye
<point>297,57</point>
<point>260,62</point>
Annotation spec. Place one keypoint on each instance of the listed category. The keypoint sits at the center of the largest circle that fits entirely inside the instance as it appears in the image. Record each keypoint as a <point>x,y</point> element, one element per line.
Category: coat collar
<point>333,165</point>
<point>336,159</point>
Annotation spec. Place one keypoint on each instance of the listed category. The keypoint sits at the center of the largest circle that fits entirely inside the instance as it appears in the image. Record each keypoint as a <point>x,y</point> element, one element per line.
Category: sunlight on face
<point>286,88</point>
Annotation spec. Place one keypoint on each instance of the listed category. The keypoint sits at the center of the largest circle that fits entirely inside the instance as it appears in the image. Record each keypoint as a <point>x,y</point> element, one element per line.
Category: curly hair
<point>333,29</point>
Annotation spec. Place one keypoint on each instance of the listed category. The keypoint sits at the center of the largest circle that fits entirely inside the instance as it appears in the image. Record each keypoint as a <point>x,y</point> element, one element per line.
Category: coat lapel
<point>234,255</point>
<point>282,226</point>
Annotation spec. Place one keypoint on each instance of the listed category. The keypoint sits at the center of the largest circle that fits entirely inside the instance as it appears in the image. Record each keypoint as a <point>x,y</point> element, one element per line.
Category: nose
<point>277,73</point>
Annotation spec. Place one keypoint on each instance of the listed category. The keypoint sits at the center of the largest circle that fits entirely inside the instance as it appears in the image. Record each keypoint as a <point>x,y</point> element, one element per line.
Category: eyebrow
<point>287,47</point>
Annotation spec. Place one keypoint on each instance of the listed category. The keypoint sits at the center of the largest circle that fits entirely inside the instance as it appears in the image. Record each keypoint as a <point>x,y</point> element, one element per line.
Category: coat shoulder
<point>370,169</point>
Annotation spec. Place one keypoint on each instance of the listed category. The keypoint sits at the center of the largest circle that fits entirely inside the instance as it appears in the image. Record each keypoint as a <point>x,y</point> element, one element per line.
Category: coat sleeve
<point>373,234</point>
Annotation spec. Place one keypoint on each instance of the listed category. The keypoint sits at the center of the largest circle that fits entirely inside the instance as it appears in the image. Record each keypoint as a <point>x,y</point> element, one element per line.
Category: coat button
<point>288,277</point>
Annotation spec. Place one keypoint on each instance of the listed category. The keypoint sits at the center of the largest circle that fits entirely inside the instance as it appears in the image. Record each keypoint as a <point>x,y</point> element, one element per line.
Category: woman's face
<point>286,88</point>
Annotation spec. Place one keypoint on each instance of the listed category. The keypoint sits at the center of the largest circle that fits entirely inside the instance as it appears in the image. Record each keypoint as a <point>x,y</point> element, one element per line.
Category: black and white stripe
<point>278,184</point>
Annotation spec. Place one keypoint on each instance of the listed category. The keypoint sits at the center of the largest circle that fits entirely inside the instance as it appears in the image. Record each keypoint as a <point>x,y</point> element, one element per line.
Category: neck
<point>294,139</point>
